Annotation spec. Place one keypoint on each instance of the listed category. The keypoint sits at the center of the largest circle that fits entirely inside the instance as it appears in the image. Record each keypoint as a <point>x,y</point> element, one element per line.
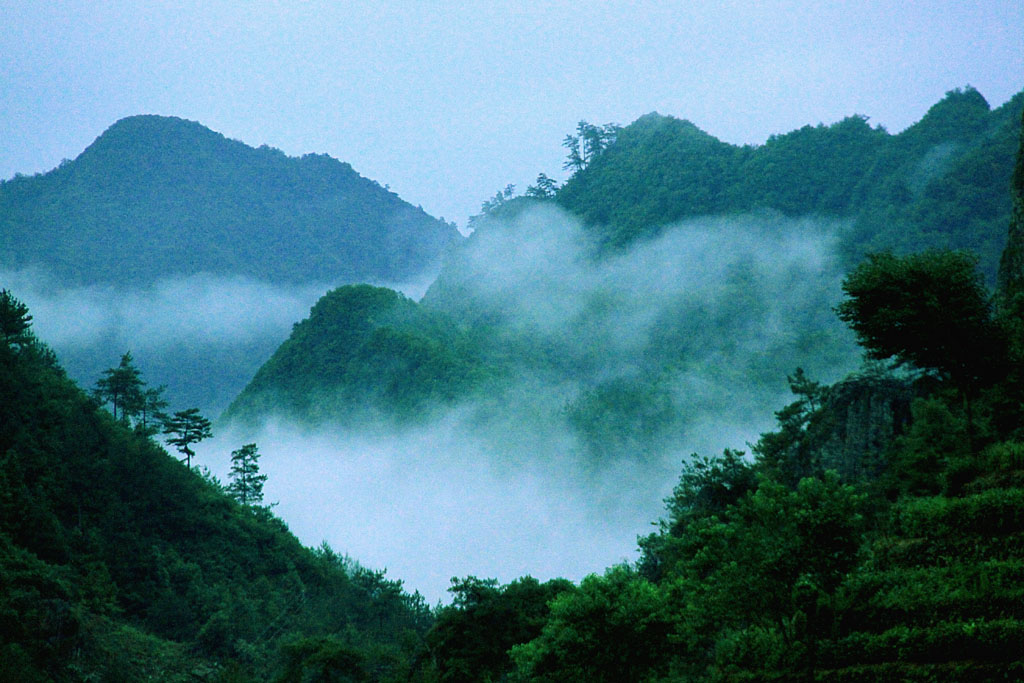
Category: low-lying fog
<point>498,487</point>
<point>501,485</point>
<point>203,336</point>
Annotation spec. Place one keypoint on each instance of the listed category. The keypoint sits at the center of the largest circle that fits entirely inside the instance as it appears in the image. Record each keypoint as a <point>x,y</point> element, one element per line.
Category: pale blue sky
<point>448,102</point>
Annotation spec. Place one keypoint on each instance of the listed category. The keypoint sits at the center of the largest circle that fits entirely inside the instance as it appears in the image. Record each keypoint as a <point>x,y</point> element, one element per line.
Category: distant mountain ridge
<point>158,196</point>
<point>942,182</point>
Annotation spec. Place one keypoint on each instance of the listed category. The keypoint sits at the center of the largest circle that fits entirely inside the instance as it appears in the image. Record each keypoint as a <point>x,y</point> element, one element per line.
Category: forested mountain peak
<point>962,113</point>
<point>168,149</point>
<point>939,183</point>
<point>156,196</point>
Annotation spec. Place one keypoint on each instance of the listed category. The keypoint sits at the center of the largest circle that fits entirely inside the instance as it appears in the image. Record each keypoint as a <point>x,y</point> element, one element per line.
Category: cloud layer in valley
<point>203,336</point>
<point>716,311</point>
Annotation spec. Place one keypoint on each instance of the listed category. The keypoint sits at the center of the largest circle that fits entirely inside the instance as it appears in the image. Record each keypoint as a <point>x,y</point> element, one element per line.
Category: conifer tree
<point>246,481</point>
<point>14,319</point>
<point>150,412</point>
<point>188,427</point>
<point>122,387</point>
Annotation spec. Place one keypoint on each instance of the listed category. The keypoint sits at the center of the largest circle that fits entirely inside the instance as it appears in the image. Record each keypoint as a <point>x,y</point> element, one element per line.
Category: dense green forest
<point>155,197</point>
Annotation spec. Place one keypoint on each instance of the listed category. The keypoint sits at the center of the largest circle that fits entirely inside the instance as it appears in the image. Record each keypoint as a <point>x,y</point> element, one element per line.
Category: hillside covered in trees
<point>628,320</point>
<point>938,184</point>
<point>117,562</point>
<point>875,534</point>
<point>157,197</point>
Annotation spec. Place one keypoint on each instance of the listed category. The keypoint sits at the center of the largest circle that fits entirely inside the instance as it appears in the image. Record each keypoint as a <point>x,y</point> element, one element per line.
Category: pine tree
<point>246,481</point>
<point>189,427</point>
<point>122,387</point>
<point>150,412</point>
<point>14,320</point>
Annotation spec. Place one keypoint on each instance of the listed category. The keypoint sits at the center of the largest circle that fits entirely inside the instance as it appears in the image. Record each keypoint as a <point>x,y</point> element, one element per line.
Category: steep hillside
<point>119,563</point>
<point>156,197</point>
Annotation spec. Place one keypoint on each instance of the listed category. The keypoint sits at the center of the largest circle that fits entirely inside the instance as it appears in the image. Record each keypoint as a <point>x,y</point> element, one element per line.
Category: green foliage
<point>182,199</point>
<point>929,309</point>
<point>324,659</point>
<point>246,484</point>
<point>471,638</point>
<point>116,563</point>
<point>188,427</point>
<point>363,351</point>
<point>614,627</point>
<point>15,320</point>
<point>122,388</point>
<point>707,488</point>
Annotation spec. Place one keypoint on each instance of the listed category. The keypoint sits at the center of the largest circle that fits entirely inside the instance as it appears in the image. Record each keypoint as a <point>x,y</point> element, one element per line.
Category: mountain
<point>940,183</point>
<point>156,197</point>
<point>874,534</point>
<point>606,305</point>
<point>117,562</point>
<point>362,352</point>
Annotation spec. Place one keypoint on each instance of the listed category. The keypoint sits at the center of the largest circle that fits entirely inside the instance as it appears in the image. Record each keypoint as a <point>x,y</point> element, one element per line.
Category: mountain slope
<point>119,563</point>
<point>940,183</point>
<point>363,350</point>
<point>160,196</point>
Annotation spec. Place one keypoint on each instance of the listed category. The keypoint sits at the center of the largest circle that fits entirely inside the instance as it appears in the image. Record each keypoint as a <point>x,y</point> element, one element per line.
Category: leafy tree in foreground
<point>188,427</point>
<point>471,638</point>
<point>14,319</point>
<point>929,309</point>
<point>246,481</point>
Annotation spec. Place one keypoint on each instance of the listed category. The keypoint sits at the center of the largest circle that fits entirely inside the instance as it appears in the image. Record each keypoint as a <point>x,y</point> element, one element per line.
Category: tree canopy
<point>188,427</point>
<point>930,309</point>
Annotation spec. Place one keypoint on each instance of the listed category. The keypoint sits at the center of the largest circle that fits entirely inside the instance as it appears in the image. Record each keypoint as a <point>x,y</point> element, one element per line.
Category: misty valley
<point>702,412</point>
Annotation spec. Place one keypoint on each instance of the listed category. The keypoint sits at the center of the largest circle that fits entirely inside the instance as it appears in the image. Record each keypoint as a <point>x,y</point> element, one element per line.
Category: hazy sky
<point>449,101</point>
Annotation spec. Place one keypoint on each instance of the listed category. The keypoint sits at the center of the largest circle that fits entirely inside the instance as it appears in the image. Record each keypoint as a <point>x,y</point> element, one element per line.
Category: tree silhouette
<point>122,387</point>
<point>188,427</point>
<point>14,319</point>
<point>246,481</point>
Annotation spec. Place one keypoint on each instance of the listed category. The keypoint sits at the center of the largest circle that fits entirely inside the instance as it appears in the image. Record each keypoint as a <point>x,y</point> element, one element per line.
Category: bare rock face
<point>868,413</point>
